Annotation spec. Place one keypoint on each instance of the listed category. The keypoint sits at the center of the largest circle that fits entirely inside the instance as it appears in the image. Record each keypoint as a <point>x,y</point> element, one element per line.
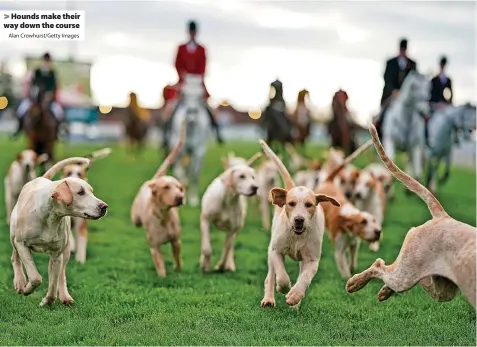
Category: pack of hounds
<point>335,196</point>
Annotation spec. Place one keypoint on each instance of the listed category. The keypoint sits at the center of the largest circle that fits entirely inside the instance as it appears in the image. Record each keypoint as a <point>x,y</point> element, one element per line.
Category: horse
<point>135,126</point>
<point>274,120</point>
<point>442,126</point>
<point>301,119</point>
<point>341,128</point>
<point>403,127</point>
<point>40,125</point>
<point>190,109</point>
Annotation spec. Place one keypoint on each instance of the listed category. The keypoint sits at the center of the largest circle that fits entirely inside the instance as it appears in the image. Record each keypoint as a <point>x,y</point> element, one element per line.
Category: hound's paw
<point>205,262</point>
<point>178,267</point>
<point>294,297</point>
<point>354,284</point>
<point>267,302</point>
<point>19,282</point>
<point>374,246</point>
<point>47,300</point>
<point>67,300</point>
<point>283,285</point>
<point>385,293</point>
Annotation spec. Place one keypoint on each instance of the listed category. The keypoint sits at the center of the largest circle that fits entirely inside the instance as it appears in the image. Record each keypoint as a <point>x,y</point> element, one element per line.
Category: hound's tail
<point>99,154</point>
<point>287,179</point>
<point>253,158</point>
<point>173,154</point>
<point>436,209</point>
<point>52,171</point>
<point>348,160</point>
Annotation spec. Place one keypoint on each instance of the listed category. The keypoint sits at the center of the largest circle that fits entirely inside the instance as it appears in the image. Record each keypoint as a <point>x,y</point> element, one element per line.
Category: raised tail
<point>286,177</point>
<point>434,206</point>
<point>99,154</point>
<point>349,159</point>
<point>173,154</point>
<point>253,158</point>
<point>52,171</point>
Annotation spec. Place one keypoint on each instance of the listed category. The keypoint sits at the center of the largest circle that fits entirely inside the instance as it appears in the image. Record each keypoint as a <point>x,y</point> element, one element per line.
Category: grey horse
<point>404,125</point>
<point>443,128</point>
<point>192,110</point>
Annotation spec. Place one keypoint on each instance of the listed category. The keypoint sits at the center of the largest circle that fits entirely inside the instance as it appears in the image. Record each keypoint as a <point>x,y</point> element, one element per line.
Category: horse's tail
<point>173,154</point>
<point>287,179</point>
<point>348,160</point>
<point>61,164</point>
<point>434,206</point>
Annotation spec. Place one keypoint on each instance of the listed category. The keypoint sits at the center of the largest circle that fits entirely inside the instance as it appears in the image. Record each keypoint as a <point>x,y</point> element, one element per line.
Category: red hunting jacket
<point>189,63</point>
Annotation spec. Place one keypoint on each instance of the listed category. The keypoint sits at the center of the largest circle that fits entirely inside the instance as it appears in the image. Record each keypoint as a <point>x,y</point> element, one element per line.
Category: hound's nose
<point>28,167</point>
<point>377,233</point>
<point>254,189</point>
<point>103,207</point>
<point>299,221</point>
<point>348,194</point>
<point>358,196</point>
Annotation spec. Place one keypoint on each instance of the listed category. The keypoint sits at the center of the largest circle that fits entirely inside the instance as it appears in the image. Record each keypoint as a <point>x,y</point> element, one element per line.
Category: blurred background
<point>322,47</point>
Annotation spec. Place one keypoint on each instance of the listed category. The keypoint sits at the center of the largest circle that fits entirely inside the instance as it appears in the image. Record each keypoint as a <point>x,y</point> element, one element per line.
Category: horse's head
<point>415,91</point>
<point>192,87</point>
<point>466,120</point>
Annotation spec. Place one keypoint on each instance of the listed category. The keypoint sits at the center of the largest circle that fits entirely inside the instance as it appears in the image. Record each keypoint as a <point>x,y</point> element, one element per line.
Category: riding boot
<point>214,125</point>
<point>21,121</point>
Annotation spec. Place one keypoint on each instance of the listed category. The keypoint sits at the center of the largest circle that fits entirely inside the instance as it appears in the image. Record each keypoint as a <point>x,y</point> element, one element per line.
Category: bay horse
<point>275,121</point>
<point>340,128</point>
<point>40,126</point>
<point>135,124</point>
<point>301,119</point>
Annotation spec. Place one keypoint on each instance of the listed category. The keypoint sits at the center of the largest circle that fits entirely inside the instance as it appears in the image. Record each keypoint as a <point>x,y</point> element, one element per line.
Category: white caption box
<point>42,25</point>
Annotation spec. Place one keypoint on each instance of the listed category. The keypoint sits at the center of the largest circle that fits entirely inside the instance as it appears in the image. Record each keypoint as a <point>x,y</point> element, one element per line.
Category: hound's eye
<point>242,177</point>
<point>343,181</point>
<point>308,204</point>
<point>364,221</point>
<point>81,192</point>
<point>166,187</point>
<point>292,204</point>
<point>69,174</point>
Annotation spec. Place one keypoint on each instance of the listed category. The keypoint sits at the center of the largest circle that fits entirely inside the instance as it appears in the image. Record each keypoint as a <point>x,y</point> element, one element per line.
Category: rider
<point>43,76</point>
<point>397,69</point>
<point>441,90</point>
<point>190,59</point>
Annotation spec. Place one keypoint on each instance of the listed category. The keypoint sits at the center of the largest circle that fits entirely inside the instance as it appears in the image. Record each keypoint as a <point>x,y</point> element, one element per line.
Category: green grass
<point>121,301</point>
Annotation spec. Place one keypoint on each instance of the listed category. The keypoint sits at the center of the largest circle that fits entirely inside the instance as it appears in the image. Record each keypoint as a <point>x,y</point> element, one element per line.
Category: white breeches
<point>55,109</point>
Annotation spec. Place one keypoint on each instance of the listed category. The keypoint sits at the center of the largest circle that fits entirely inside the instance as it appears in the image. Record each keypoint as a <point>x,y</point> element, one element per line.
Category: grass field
<point>121,301</point>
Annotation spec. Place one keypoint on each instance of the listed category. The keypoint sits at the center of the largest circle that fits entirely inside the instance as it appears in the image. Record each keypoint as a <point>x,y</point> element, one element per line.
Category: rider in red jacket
<point>190,59</point>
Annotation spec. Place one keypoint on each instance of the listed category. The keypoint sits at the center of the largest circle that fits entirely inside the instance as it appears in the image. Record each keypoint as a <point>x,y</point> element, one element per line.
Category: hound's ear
<point>326,198</point>
<point>62,193</point>
<point>225,162</point>
<point>19,156</point>
<point>278,196</point>
<point>228,178</point>
<point>154,188</point>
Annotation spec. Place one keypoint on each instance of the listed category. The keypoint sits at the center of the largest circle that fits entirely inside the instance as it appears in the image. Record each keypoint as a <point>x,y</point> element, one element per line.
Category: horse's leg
<point>448,161</point>
<point>389,147</point>
<point>196,165</point>
<point>416,152</point>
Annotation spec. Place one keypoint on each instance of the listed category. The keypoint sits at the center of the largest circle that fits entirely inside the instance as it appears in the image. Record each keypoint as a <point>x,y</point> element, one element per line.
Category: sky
<point>317,45</point>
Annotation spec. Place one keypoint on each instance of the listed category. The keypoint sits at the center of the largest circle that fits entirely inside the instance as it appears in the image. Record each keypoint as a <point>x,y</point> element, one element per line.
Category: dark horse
<point>40,125</point>
<point>135,127</point>
<point>301,119</point>
<point>341,129</point>
<point>275,121</point>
